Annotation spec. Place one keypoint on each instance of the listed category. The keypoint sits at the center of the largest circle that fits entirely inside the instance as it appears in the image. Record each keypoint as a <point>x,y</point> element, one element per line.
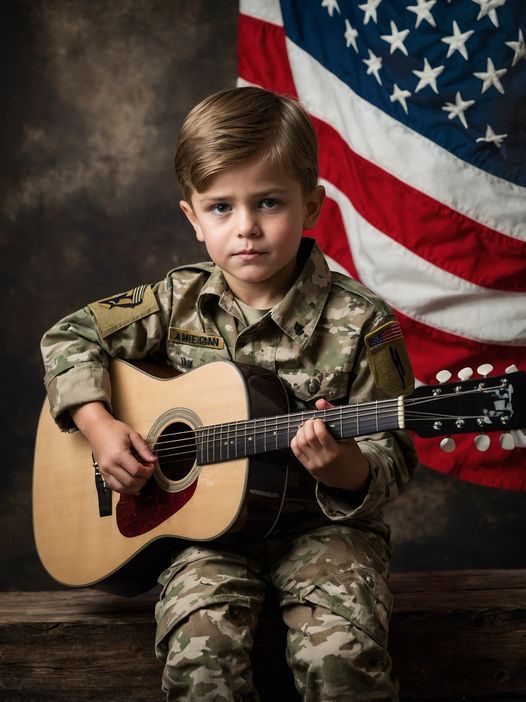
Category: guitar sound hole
<point>176,450</point>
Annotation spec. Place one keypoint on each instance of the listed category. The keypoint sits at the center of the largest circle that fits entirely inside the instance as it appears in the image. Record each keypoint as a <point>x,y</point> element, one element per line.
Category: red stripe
<point>449,240</point>
<point>262,56</point>
<point>433,349</point>
<point>330,234</point>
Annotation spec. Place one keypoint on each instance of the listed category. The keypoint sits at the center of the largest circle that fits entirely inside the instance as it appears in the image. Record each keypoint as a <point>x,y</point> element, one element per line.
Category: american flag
<point>420,110</point>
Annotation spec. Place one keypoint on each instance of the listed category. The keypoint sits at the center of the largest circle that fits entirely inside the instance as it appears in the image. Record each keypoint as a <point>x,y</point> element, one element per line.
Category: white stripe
<point>265,10</point>
<point>406,154</point>
<point>427,293</point>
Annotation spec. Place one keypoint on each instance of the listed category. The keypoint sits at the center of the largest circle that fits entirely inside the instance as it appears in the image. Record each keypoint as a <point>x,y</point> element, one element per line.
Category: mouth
<point>249,254</point>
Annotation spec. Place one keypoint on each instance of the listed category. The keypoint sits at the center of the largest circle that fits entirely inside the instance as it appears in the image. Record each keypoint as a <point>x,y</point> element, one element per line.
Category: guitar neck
<point>225,442</point>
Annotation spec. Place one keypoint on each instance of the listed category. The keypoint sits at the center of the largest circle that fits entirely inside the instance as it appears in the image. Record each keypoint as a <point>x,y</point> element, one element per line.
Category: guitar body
<point>88,535</point>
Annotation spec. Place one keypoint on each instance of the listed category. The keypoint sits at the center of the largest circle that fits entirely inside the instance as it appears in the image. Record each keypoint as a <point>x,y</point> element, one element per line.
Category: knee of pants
<point>210,650</point>
<point>333,659</point>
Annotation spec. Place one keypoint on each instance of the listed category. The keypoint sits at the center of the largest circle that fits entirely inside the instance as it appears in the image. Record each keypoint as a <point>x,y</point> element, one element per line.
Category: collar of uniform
<point>217,287</point>
<point>299,311</point>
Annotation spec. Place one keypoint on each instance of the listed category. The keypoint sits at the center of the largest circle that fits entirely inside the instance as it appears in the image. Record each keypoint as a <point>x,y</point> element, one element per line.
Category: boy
<point>246,161</point>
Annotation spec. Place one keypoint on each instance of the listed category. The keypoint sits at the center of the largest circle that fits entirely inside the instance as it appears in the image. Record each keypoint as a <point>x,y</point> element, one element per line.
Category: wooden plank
<point>454,636</point>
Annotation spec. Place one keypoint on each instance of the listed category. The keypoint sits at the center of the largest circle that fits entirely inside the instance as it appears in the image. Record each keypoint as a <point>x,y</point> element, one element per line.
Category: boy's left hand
<point>337,464</point>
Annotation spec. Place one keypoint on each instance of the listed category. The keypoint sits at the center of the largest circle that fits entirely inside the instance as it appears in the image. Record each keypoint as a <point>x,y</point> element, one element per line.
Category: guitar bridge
<point>103,492</point>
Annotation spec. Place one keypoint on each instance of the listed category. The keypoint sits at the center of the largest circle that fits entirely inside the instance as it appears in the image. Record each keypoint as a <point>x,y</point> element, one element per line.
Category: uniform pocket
<point>360,596</point>
<point>308,385</point>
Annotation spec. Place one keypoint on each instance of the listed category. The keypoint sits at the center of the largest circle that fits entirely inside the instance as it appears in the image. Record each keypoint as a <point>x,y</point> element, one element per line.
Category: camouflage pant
<point>331,584</point>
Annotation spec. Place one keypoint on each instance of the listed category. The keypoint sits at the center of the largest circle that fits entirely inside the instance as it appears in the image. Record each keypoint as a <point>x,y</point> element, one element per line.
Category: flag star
<point>492,138</point>
<point>519,47</point>
<point>374,64</point>
<point>400,96</point>
<point>370,8</point>
<point>396,39</point>
<point>350,35</point>
<point>488,7</point>
<point>457,41</point>
<point>458,108</point>
<point>491,77</point>
<point>422,11</point>
<point>331,5</point>
<point>428,76</point>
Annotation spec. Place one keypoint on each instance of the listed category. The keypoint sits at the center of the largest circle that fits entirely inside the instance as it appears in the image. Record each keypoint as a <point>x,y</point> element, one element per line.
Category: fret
<point>224,442</point>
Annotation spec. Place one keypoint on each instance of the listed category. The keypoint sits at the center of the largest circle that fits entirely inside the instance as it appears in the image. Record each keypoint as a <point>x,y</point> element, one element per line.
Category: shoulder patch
<point>118,311</point>
<point>389,360</point>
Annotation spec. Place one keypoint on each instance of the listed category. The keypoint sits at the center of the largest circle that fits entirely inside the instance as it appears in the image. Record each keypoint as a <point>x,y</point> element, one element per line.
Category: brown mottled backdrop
<point>92,96</point>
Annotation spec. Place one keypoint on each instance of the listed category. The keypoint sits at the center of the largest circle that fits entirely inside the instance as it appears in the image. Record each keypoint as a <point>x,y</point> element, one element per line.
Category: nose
<point>246,224</point>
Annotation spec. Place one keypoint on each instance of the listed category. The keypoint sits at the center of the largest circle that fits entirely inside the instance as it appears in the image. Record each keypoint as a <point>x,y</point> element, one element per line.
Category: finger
<point>120,477</point>
<point>322,404</point>
<point>141,447</point>
<point>134,468</point>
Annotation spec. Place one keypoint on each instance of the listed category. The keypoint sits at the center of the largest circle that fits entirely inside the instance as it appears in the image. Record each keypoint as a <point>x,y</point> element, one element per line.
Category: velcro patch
<point>195,338</point>
<point>389,360</point>
<point>118,311</point>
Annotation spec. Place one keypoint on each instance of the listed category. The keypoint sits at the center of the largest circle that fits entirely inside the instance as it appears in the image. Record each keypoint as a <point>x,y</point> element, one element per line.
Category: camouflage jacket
<point>328,337</point>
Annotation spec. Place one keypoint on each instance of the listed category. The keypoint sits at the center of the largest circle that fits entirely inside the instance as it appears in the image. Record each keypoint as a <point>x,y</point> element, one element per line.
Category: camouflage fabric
<point>332,583</point>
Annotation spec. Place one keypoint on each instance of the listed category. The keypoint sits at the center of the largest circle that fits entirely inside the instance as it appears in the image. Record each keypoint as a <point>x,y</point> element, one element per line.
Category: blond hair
<point>240,124</point>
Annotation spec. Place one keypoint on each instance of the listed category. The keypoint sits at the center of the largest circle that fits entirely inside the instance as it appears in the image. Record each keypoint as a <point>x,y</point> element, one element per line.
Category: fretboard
<point>232,440</point>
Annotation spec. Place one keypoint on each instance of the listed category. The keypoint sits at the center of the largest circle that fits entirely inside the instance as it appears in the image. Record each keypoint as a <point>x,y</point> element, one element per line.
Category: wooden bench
<point>454,636</point>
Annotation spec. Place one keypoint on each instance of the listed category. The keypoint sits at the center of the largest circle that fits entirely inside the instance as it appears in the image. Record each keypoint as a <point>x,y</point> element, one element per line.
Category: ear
<point>313,202</point>
<point>190,215</point>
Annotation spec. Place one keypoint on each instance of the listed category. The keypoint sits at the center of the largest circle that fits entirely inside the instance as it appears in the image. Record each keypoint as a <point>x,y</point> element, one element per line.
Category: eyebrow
<point>267,192</point>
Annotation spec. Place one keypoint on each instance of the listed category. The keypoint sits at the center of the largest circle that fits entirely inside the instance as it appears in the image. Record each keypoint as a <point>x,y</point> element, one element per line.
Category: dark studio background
<point>92,96</point>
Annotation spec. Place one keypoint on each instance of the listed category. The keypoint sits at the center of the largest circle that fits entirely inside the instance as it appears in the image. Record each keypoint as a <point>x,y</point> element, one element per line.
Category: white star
<point>374,64</point>
<point>350,35</point>
<point>422,11</point>
<point>457,40</point>
<point>491,77</point>
<point>331,5</point>
<point>370,8</point>
<point>487,7</point>
<point>458,109</point>
<point>396,39</point>
<point>400,96</point>
<point>519,47</point>
<point>493,138</point>
<point>428,76</point>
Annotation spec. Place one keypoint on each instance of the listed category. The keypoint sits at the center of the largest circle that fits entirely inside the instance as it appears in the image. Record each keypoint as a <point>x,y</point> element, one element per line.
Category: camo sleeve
<point>391,455</point>
<point>76,351</point>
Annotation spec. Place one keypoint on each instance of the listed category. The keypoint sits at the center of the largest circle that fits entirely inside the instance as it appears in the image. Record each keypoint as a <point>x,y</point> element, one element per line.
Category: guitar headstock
<point>470,405</point>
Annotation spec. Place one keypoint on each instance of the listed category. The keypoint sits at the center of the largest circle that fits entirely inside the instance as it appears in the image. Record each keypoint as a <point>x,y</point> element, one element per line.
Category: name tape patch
<point>195,338</point>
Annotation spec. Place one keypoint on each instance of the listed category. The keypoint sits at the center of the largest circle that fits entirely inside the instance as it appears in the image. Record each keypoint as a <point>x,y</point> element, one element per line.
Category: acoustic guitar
<point>221,434</point>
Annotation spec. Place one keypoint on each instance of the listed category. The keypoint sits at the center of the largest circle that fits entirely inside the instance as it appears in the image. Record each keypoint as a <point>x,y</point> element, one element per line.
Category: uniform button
<point>313,386</point>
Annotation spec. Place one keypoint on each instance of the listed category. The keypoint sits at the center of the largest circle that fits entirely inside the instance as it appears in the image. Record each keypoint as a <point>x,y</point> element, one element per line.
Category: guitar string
<point>189,442</point>
<point>382,409</point>
<point>278,424</point>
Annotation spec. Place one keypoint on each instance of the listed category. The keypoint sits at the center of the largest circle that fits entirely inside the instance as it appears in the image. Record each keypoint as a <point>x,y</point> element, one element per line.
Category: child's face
<point>251,219</point>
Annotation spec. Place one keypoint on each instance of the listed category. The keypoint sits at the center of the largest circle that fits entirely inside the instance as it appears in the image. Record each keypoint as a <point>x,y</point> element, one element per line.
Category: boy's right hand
<point>124,459</point>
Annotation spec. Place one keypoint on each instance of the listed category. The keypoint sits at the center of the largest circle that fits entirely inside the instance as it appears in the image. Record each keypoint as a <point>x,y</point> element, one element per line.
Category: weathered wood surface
<point>454,636</point>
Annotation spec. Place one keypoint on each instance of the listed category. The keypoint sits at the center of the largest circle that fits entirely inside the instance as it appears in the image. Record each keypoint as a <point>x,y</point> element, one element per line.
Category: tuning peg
<point>511,369</point>
<point>507,442</point>
<point>443,376</point>
<point>485,369</point>
<point>447,444</point>
<point>482,442</point>
<point>465,373</point>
